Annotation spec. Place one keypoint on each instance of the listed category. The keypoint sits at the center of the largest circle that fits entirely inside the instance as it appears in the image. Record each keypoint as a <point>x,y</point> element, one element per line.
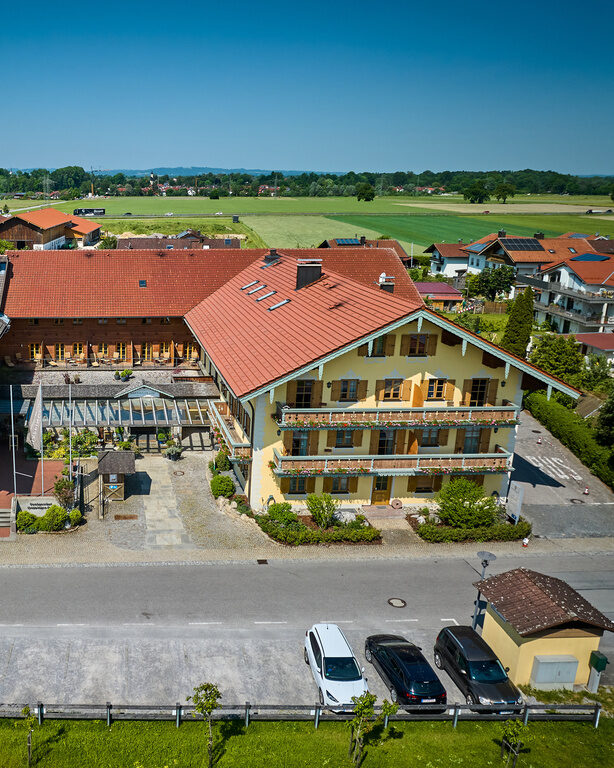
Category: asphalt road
<point>150,634</point>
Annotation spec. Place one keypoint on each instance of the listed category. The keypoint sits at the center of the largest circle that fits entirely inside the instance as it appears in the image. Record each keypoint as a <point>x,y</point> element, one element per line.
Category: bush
<point>125,445</point>
<point>283,514</point>
<point>242,504</point>
<point>221,485</point>
<point>222,462</point>
<point>322,509</point>
<point>497,532</point>
<point>54,519</point>
<point>574,432</point>
<point>462,504</point>
<point>63,490</point>
<point>25,519</point>
<point>213,469</point>
<point>75,518</point>
<point>299,533</point>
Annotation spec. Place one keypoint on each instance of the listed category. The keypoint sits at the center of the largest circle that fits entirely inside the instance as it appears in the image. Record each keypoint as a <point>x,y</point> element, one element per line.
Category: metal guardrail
<point>315,713</point>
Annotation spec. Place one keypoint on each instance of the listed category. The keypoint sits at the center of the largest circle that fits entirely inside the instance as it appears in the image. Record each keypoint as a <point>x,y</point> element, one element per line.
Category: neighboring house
<point>182,241</point>
<point>48,229</point>
<point>441,295</point>
<point>575,295</point>
<point>600,344</point>
<point>541,628</point>
<point>451,259</point>
<point>332,374</point>
<point>355,242</point>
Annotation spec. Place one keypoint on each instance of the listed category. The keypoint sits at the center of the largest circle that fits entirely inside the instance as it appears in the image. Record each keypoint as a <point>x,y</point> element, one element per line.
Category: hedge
<point>305,535</point>
<point>497,532</point>
<point>574,432</point>
<point>222,485</point>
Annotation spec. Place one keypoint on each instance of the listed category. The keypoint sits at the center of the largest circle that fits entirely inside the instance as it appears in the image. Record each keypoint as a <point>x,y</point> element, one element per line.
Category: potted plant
<point>162,436</point>
<point>173,452</point>
<point>125,374</point>
<point>116,375</point>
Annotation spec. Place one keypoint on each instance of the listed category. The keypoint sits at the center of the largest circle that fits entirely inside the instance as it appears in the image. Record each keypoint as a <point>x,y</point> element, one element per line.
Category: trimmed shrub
<point>222,462</point>
<point>283,514</point>
<point>462,504</point>
<point>75,518</point>
<point>574,432</point>
<point>54,519</point>
<point>221,485</point>
<point>322,509</point>
<point>25,519</point>
<point>497,532</point>
<point>300,534</point>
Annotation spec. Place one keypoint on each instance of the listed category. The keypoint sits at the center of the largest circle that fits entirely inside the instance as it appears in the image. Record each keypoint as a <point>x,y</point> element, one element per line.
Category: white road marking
<point>574,474</point>
<point>454,620</point>
<point>137,624</point>
<point>270,622</point>
<point>199,623</point>
<point>398,621</point>
<point>71,625</point>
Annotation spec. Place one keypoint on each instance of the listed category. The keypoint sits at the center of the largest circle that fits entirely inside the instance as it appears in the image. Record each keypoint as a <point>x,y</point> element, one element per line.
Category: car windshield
<point>487,671</point>
<point>341,668</point>
<point>425,687</point>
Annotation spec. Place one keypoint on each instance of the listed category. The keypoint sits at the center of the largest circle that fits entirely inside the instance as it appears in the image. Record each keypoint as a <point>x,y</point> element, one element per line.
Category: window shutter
<point>363,350</point>
<point>314,439</point>
<point>399,441</point>
<point>287,440</point>
<point>424,386</point>
<point>406,390</point>
<point>405,338</point>
<point>418,397</point>
<point>484,441</point>
<point>316,394</point>
<point>362,389</point>
<point>389,344</point>
<point>467,391</point>
<point>379,389</point>
<point>327,485</point>
<point>331,438</point>
<point>493,389</point>
<point>357,438</point>
<point>353,484</point>
<point>412,482</point>
<point>284,485</point>
<point>310,485</point>
<point>374,442</point>
<point>437,482</point>
<point>431,346</point>
<point>291,394</point>
<point>414,440</point>
<point>335,391</point>
<point>460,441</point>
<point>450,389</point>
<point>444,436</point>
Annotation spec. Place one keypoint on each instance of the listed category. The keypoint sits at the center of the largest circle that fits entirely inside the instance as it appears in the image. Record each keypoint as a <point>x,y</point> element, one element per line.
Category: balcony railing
<point>224,422</point>
<point>572,314</point>
<point>393,464</point>
<point>543,285</point>
<point>394,418</point>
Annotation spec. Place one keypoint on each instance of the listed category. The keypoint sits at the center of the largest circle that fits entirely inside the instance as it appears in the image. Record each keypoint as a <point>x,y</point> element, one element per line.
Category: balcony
<point>588,296</point>
<point>394,418</point>
<point>393,464</point>
<point>572,314</point>
<point>224,423</point>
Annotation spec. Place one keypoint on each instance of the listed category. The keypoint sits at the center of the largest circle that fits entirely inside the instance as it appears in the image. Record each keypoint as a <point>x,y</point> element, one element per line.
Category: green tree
<point>503,190</point>
<point>520,322</point>
<point>28,722</point>
<point>64,492</point>
<point>364,721</point>
<point>5,210</point>
<point>322,509</point>
<point>365,192</point>
<point>490,282</point>
<point>597,374</point>
<point>6,246</point>
<point>206,699</point>
<point>559,356</point>
<point>604,427</point>
<point>462,504</point>
<point>108,243</point>
<point>476,192</point>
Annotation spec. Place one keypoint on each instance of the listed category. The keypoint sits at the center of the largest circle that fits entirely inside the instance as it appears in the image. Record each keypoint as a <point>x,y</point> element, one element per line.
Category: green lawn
<point>173,226</point>
<point>303,231</point>
<point>73,744</point>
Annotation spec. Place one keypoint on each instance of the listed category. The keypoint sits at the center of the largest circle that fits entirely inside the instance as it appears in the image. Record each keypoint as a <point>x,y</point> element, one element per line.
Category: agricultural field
<point>305,231</point>
<point>172,226</point>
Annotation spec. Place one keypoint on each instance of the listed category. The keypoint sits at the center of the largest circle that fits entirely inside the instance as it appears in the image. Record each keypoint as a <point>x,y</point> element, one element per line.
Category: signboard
<point>514,501</point>
<point>89,212</point>
<point>113,487</point>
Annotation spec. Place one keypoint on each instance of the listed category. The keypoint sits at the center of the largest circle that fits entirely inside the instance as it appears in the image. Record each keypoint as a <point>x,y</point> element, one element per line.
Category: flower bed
<point>301,534</point>
<point>461,470</point>
<point>331,425</point>
<point>437,533</point>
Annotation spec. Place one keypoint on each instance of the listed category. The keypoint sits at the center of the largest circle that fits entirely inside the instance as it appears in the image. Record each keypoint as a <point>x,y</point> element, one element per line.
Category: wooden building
<point>47,229</point>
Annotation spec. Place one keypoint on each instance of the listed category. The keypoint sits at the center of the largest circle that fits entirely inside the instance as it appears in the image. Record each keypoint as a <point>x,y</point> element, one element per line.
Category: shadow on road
<point>524,472</point>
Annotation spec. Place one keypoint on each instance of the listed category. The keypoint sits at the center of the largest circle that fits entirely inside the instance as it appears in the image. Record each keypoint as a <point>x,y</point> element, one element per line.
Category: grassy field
<point>73,744</point>
<point>303,231</point>
<point>173,226</point>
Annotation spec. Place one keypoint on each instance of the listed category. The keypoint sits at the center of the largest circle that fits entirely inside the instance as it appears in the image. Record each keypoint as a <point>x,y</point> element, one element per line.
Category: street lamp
<point>486,558</point>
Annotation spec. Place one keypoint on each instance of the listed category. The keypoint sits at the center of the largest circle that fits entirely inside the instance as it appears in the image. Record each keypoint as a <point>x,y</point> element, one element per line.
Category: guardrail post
<point>247,706</point>
<point>316,721</point>
<point>525,717</point>
<point>178,714</point>
<point>39,705</point>
<point>597,715</point>
<point>108,714</point>
<point>455,721</point>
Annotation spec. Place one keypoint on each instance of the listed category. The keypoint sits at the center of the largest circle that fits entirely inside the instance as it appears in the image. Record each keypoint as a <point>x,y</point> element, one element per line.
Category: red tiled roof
<point>604,341</point>
<point>438,288</point>
<point>590,272</point>
<point>45,218</point>
<point>253,345</point>
<point>83,226</point>
<point>394,244</point>
<point>449,250</point>
<point>106,283</point>
<point>531,602</point>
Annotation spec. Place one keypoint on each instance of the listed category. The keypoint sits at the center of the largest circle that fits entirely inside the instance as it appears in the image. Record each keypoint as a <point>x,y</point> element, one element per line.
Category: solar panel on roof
<point>348,241</point>
<point>590,257</point>
<point>521,244</point>
<point>577,234</point>
<point>477,247</point>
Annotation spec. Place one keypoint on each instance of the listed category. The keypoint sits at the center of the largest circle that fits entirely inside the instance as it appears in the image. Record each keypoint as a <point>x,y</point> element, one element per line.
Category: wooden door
<point>381,490</point>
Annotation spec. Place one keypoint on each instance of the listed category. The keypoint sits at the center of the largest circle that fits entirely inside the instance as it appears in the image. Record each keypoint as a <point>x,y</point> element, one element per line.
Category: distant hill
<point>197,170</point>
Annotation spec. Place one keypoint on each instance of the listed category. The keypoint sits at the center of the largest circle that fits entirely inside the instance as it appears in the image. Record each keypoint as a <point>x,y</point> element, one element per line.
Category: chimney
<point>363,240</point>
<point>307,272</point>
<point>386,282</point>
<point>539,235</point>
<point>271,256</point>
<point>501,233</point>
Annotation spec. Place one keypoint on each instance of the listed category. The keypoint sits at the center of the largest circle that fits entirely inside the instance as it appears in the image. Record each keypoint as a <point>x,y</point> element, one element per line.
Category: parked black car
<point>405,671</point>
<point>475,669</point>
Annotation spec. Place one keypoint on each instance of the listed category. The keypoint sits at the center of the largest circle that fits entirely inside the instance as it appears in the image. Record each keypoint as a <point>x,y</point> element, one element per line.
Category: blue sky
<point>309,85</point>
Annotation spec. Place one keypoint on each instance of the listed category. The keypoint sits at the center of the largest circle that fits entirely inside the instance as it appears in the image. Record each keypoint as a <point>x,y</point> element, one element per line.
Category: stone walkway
<point>163,524</point>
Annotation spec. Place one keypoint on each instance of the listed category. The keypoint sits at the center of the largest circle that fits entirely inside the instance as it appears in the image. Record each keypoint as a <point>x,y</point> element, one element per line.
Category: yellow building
<point>335,377</point>
<point>541,628</point>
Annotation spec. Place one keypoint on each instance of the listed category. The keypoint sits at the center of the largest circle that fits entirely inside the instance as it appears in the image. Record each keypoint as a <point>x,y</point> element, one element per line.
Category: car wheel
<point>368,655</point>
<point>321,697</point>
<point>305,656</point>
<point>393,696</point>
<point>438,662</point>
<point>469,699</point>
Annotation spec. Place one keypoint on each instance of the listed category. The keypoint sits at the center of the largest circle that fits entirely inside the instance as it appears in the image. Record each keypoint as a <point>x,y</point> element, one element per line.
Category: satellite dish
<point>487,556</point>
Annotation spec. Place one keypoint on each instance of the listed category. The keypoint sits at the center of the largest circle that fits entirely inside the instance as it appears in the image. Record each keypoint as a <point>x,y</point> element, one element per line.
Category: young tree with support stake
<point>29,722</point>
<point>364,721</point>
<point>206,699</point>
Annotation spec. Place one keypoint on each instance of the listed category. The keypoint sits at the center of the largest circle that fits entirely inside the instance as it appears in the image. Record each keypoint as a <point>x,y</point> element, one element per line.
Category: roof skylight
<point>266,295</point>
<point>249,285</point>
<point>279,304</point>
<point>259,288</point>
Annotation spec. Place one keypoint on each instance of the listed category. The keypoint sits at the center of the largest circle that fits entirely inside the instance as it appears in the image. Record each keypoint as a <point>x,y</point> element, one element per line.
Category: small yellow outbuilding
<point>541,628</point>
